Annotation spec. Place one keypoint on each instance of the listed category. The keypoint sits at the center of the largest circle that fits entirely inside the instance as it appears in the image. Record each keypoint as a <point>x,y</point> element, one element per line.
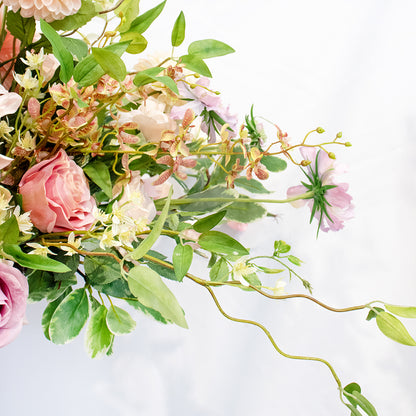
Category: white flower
<point>100,216</point>
<point>27,81</point>
<point>279,288</point>
<point>34,60</point>
<point>39,249</point>
<point>23,221</point>
<point>74,242</point>
<point>241,269</point>
<point>28,142</point>
<point>5,129</point>
<point>107,240</point>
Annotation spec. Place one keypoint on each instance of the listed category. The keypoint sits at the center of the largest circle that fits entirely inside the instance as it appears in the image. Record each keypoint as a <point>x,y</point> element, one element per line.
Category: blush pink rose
<point>56,193</point>
<point>14,291</point>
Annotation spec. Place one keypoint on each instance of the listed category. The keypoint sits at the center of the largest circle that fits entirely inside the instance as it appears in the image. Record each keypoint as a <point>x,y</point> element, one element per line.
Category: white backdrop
<point>342,65</point>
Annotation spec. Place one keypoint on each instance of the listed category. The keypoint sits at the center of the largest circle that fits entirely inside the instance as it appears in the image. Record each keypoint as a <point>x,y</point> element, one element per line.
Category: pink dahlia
<point>331,204</point>
<point>48,10</point>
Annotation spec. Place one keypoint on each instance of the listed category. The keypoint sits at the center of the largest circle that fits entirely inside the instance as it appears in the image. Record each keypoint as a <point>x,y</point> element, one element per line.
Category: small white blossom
<point>126,234</point>
<point>23,221</point>
<point>74,242</point>
<point>107,240</point>
<point>100,216</point>
<point>27,81</point>
<point>39,249</point>
<point>28,142</point>
<point>5,129</point>
<point>241,269</point>
<point>34,60</point>
<point>279,288</point>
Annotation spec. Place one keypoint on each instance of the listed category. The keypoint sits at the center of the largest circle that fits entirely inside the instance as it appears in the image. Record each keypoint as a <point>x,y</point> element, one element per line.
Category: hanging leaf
<point>221,243</point>
<point>195,63</point>
<point>98,172</point>
<point>149,289</point>
<point>182,259</point>
<point>20,27</point>
<point>9,231</point>
<point>111,63</point>
<point>210,221</point>
<point>219,271</point>
<point>77,20</point>
<point>142,22</point>
<point>252,185</point>
<point>273,163</point>
<point>391,327</point>
<point>98,338</point>
<point>119,322</point>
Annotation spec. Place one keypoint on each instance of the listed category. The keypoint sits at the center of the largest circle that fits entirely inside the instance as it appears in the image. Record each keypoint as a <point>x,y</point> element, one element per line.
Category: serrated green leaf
<point>273,163</point>
<point>217,242</point>
<point>147,244</point>
<point>181,260</point>
<point>210,221</point>
<point>142,22</point>
<point>403,311</point>
<point>149,289</point>
<point>209,48</point>
<point>196,64</point>
<point>61,53</point>
<point>119,321</point>
<point>77,47</point>
<point>77,20</point>
<point>252,185</point>
<point>391,327</point>
<point>69,317</point>
<point>49,311</point>
<point>111,63</point>
<point>98,338</point>
<point>9,231</point>
<point>20,27</point>
<point>101,270</point>
<point>245,211</point>
<point>99,173</point>
<point>219,271</point>
<point>178,32</point>
<point>34,261</point>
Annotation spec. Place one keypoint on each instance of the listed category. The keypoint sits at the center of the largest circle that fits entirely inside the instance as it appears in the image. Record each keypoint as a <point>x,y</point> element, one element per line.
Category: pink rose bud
<point>14,291</point>
<point>56,193</point>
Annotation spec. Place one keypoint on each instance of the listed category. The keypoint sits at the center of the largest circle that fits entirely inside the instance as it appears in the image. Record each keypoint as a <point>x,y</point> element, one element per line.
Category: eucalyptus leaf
<point>178,32</point>
<point>181,260</point>
<point>149,289</point>
<point>69,317</point>
<point>119,321</point>
<point>217,242</point>
<point>98,338</point>
<point>391,327</point>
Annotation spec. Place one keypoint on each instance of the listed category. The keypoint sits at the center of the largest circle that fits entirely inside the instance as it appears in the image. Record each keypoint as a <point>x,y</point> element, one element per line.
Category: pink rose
<point>56,193</point>
<point>14,291</point>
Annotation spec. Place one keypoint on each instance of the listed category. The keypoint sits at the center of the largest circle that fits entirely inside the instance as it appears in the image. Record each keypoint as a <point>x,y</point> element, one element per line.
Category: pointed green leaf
<point>77,47</point>
<point>294,260</point>
<point>101,270</point>
<point>61,53</point>
<point>196,64</point>
<point>49,311</point>
<point>403,311</point>
<point>219,271</point>
<point>147,76</point>
<point>20,27</point>
<point>34,261</point>
<point>210,221</point>
<point>354,411</point>
<point>110,63</point>
<point>147,311</point>
<point>142,22</point>
<point>178,32</point>
<point>69,317</point>
<point>148,242</point>
<point>391,327</point>
<point>138,42</point>
<point>77,20</point>
<point>99,173</point>
<point>128,11</point>
<point>273,163</point>
<point>182,259</point>
<point>209,48</point>
<point>373,313</point>
<point>168,82</point>
<point>149,289</point>
<point>119,321</point>
<point>368,408</point>
<point>9,231</point>
<point>98,338</point>
<point>221,243</point>
<point>252,185</point>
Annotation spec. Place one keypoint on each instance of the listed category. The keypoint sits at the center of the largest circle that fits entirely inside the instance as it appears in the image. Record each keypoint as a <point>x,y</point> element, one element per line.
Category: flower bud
<point>320,130</point>
<point>339,135</point>
<point>305,162</point>
<point>331,155</point>
<point>347,144</point>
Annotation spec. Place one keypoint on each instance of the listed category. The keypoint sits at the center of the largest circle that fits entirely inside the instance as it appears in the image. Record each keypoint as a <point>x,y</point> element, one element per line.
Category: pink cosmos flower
<point>331,204</point>
<point>48,10</point>
<point>56,193</point>
<point>14,291</point>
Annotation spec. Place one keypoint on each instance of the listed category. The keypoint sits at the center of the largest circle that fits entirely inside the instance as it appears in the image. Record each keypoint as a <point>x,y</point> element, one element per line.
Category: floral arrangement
<point>100,162</point>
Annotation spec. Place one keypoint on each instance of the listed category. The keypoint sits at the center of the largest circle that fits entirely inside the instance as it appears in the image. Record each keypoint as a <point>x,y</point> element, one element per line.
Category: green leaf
<point>253,279</point>
<point>163,271</point>
<point>209,48</point>
<point>9,231</point>
<point>281,247</point>
<point>49,311</point>
<point>77,47</point>
<point>273,163</point>
<point>210,221</point>
<point>138,42</point>
<point>43,285</point>
<point>270,271</point>
<point>168,82</point>
<point>403,311</point>
<point>215,193</point>
<point>59,50</point>
<point>364,404</point>
<point>196,64</point>
<point>142,22</point>
<point>34,261</point>
<point>252,185</point>
<point>110,63</point>
<point>178,32</point>
<point>219,271</point>
<point>119,321</point>
<point>98,172</point>
<point>373,313</point>
<point>128,11</point>
<point>147,311</point>
<point>77,20</point>
<point>101,270</point>
<point>88,71</point>
<point>98,338</point>
<point>354,411</point>
<point>294,260</point>
<point>148,242</point>
<point>117,288</point>
<point>21,27</point>
<point>182,259</point>
<point>69,317</point>
<point>391,327</point>
<point>149,289</point>
<point>245,211</point>
<point>221,243</point>
<point>147,76</point>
